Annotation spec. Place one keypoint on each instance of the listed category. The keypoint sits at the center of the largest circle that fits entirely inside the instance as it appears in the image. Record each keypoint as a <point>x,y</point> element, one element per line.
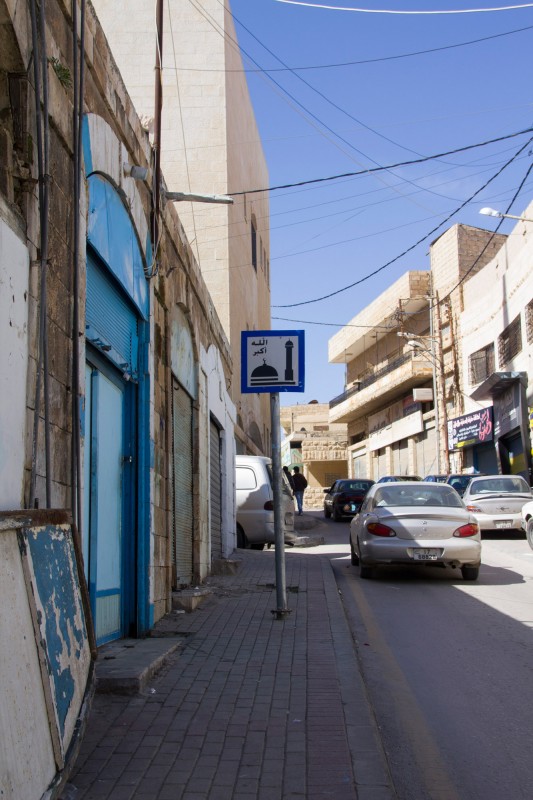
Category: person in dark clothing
<point>300,485</point>
<point>289,477</point>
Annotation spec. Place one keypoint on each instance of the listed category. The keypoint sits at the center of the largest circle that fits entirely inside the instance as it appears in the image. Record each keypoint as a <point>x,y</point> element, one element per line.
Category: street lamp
<point>198,198</point>
<point>491,212</point>
<point>439,404</point>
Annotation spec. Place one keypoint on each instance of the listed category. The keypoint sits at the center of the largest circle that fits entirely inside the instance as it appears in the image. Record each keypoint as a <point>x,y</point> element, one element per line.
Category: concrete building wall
<point>487,314</point>
<point>210,145</point>
<point>118,137</point>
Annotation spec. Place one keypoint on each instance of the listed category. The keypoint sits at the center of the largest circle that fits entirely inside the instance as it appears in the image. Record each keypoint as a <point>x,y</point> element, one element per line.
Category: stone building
<point>391,424</point>
<point>317,447</point>
<point>438,381</point>
<point>497,352</point>
<point>210,144</point>
<point>116,371</point>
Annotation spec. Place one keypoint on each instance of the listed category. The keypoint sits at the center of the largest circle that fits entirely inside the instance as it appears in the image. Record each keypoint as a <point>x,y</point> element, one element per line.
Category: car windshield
<point>417,496</point>
<point>353,486</point>
<point>508,483</point>
<point>460,481</point>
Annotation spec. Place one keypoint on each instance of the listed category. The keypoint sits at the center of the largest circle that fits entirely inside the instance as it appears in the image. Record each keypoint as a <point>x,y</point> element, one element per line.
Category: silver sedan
<point>497,500</point>
<point>415,523</point>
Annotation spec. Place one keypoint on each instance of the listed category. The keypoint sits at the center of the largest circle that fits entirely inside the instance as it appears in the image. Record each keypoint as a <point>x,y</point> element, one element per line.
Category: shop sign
<point>470,429</point>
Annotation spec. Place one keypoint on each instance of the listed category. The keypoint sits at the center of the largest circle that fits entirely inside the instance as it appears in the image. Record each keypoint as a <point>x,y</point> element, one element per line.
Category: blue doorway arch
<point>116,431</point>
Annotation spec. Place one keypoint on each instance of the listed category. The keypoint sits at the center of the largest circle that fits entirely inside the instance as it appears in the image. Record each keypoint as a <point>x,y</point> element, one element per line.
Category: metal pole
<point>281,589</point>
<point>434,373</point>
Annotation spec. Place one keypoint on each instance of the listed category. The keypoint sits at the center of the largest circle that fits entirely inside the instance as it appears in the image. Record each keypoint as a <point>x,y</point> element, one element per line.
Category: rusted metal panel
<point>45,650</point>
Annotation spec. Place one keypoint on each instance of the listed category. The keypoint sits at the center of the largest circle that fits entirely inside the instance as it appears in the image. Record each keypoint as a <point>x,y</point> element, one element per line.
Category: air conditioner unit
<point>422,395</point>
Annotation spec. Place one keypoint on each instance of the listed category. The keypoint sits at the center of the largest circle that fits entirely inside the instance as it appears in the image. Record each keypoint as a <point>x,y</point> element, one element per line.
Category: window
<point>510,342</point>
<point>529,321</point>
<point>254,244</point>
<point>481,364</point>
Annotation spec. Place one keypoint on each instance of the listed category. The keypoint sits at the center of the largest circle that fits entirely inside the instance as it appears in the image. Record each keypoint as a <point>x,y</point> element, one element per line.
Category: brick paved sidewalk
<point>250,707</point>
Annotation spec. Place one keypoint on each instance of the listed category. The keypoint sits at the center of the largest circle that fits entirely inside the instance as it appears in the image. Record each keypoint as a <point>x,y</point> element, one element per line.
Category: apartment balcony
<point>383,385</point>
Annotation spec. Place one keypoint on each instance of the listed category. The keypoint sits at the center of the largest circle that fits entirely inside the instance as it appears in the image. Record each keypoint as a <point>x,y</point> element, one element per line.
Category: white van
<point>255,503</point>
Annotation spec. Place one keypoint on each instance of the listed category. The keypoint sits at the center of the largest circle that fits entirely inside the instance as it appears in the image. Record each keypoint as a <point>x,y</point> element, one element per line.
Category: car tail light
<point>269,505</point>
<point>474,509</point>
<point>467,530</point>
<point>378,529</point>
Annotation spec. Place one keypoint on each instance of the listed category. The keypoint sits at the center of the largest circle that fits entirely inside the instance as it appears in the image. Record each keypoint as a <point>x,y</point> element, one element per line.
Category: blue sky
<point>327,235</point>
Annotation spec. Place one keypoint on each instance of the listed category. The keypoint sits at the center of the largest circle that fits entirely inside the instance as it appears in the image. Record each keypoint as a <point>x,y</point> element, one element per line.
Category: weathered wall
<point>210,145</point>
<point>118,137</point>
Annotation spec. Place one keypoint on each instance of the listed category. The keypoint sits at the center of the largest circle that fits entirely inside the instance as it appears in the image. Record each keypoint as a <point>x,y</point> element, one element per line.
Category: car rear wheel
<point>354,558</point>
<point>365,571</point>
<point>529,532</point>
<point>242,541</point>
<point>470,573</point>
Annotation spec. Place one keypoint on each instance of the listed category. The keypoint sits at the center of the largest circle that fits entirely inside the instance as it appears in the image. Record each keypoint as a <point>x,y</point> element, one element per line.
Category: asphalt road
<point>448,667</point>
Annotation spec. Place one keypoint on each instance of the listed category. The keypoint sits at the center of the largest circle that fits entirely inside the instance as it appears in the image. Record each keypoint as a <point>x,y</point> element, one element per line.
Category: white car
<point>496,501</point>
<point>255,503</point>
<point>415,524</point>
<point>527,521</point>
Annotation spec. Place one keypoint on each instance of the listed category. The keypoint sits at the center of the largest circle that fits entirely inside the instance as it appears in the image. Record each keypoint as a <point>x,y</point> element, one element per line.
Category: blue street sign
<point>272,361</point>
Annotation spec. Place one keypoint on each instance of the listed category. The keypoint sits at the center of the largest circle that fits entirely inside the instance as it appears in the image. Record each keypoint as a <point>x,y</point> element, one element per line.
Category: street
<point>448,669</point>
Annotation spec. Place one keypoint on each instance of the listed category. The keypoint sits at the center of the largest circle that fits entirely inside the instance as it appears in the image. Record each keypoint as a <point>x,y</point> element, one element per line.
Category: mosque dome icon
<point>265,373</point>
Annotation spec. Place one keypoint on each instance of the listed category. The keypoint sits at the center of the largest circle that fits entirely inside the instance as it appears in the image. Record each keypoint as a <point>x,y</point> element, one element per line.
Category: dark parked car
<point>460,481</point>
<point>435,478</point>
<point>344,498</point>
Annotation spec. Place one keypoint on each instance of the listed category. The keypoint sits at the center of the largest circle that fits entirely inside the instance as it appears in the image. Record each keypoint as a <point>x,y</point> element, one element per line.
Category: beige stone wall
<point>179,281</point>
<point>510,278</point>
<point>210,145</point>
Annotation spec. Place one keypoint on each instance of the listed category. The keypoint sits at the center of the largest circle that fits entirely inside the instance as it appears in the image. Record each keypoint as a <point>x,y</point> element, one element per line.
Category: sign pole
<point>281,589</point>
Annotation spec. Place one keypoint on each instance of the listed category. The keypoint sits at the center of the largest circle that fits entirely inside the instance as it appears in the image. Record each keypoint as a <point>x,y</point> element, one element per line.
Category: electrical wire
<point>296,101</point>
<point>414,13</point>
<point>413,246</point>
<point>377,60</point>
<point>369,170</point>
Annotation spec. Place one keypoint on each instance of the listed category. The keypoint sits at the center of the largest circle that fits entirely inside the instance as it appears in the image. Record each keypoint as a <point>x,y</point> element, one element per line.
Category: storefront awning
<point>497,383</point>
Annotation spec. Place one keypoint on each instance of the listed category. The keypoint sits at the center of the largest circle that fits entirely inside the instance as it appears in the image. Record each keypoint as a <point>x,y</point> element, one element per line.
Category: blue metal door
<point>107,467</point>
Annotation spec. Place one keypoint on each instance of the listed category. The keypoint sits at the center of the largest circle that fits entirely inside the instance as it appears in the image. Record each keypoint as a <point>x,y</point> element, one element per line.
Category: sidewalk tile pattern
<point>250,708</point>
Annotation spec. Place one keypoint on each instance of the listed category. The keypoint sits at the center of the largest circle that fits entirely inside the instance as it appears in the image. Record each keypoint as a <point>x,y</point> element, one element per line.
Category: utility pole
<point>442,412</point>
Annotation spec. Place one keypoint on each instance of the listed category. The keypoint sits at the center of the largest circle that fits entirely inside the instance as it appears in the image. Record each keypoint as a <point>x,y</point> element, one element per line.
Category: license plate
<point>425,555</point>
<point>503,523</point>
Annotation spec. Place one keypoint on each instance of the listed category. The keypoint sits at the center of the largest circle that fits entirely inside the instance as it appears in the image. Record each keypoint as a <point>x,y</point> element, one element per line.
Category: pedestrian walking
<point>289,478</point>
<point>300,485</point>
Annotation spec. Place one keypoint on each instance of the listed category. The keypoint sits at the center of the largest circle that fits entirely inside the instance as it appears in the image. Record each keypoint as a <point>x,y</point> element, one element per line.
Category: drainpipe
<point>79,73</point>
<point>43,148</point>
<point>156,193</point>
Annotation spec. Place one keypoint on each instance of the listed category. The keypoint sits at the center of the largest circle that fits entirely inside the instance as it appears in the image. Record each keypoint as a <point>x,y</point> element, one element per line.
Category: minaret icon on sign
<point>289,375</point>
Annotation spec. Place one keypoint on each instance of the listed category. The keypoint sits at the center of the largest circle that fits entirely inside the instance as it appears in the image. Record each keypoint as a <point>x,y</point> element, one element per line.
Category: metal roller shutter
<point>182,479</point>
<point>215,494</point>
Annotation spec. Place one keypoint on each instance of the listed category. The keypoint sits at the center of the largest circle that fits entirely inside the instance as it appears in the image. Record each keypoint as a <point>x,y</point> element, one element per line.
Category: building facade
<point>314,445</point>
<point>438,382</point>
<point>391,423</point>
<point>210,145</point>
<point>116,371</point>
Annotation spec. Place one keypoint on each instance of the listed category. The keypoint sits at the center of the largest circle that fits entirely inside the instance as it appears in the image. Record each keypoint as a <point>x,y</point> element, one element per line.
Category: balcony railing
<point>368,380</point>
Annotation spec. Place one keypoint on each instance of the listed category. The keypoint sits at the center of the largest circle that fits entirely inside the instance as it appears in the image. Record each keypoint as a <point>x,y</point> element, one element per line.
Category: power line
<point>414,13</point>
<point>412,247</point>
<point>381,169</point>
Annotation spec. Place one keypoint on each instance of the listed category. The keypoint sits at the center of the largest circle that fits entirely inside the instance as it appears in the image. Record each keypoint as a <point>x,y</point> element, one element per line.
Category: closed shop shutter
<point>403,457</point>
<point>182,480</point>
<point>380,463</point>
<point>111,322</point>
<point>426,453</point>
<point>215,494</point>
<point>359,465</point>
